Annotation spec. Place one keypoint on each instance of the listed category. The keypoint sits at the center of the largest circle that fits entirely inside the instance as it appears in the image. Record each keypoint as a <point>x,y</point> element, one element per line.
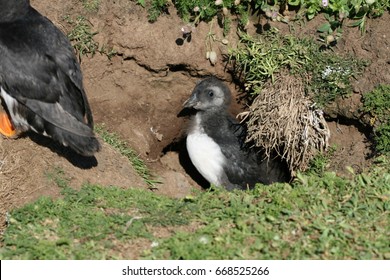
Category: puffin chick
<point>41,84</point>
<point>216,142</point>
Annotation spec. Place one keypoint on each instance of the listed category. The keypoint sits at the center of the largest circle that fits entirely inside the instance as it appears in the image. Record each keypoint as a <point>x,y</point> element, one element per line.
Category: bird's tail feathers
<point>83,145</point>
<point>52,120</point>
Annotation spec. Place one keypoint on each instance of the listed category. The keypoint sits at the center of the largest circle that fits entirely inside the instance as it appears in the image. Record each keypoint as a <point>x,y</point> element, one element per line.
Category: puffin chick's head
<point>209,94</point>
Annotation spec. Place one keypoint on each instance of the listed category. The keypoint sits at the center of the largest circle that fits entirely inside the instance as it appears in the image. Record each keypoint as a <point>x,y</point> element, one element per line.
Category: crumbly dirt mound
<point>139,93</point>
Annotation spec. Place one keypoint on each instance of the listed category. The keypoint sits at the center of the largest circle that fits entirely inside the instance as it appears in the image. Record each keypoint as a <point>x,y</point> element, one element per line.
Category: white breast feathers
<point>205,154</point>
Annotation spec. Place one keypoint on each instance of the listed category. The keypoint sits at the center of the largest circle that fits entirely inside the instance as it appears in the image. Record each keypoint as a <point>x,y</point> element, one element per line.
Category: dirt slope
<point>139,93</point>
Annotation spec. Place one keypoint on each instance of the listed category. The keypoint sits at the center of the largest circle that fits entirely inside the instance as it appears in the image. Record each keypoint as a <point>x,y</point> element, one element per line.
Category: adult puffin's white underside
<point>11,104</point>
<point>17,120</point>
<point>205,154</point>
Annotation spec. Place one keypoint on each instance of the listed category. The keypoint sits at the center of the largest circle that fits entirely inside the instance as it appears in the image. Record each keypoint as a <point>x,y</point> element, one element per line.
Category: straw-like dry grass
<point>283,119</point>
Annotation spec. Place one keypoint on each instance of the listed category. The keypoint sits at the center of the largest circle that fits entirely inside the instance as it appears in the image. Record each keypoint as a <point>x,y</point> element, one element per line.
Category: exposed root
<point>284,120</point>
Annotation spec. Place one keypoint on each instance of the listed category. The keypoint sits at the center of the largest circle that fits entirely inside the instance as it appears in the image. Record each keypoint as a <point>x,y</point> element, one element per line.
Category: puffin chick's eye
<point>210,93</point>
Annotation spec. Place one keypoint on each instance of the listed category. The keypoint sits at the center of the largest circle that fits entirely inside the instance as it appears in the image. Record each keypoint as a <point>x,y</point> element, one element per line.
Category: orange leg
<point>6,127</point>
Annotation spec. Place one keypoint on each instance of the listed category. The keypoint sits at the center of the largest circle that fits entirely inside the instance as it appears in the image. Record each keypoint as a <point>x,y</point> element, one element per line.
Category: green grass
<point>326,75</point>
<point>316,218</point>
<point>377,104</point>
<point>82,38</point>
<point>325,217</point>
<point>85,224</point>
<point>320,162</point>
<point>123,148</point>
<point>91,5</point>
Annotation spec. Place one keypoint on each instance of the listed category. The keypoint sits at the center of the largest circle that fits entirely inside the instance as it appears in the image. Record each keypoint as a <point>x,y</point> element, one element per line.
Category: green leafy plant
<point>335,11</point>
<point>362,9</point>
<point>320,163</point>
<point>157,7</point>
<point>377,104</point>
<point>311,7</point>
<point>330,31</point>
<point>142,3</point>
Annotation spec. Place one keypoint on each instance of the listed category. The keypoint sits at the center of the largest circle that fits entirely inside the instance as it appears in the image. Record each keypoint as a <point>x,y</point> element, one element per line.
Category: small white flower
<point>204,239</point>
<point>154,244</point>
<point>196,9</point>
<point>325,3</point>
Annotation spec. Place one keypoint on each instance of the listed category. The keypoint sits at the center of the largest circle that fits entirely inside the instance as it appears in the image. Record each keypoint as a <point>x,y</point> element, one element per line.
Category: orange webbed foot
<point>6,127</point>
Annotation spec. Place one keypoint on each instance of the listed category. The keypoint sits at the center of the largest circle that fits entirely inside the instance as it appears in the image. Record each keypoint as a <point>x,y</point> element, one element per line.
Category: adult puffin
<point>41,84</point>
<point>216,142</point>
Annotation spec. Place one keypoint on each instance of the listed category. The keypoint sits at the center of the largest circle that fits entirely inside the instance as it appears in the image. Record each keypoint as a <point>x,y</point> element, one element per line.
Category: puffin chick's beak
<point>191,102</point>
<point>6,127</point>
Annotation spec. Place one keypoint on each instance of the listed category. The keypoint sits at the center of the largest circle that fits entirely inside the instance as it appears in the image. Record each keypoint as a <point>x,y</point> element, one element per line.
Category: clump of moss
<point>377,105</point>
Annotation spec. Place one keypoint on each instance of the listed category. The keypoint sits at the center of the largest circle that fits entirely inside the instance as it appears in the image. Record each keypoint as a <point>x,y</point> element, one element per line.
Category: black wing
<point>246,165</point>
<point>39,69</point>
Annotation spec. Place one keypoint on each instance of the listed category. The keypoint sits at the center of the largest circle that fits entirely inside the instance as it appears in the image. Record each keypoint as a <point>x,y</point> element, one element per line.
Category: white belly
<point>19,123</point>
<point>206,156</point>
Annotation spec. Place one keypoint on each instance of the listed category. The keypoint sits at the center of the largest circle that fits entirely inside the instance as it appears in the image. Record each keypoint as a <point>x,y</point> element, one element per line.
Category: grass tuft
<point>81,36</point>
<point>258,60</point>
<point>91,5</point>
<point>122,147</point>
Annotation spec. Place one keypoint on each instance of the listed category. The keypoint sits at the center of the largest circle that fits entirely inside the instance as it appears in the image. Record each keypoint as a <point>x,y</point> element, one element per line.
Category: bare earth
<point>139,93</point>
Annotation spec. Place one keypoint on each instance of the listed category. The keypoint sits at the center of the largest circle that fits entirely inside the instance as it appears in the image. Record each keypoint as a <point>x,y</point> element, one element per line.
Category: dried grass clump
<point>283,119</point>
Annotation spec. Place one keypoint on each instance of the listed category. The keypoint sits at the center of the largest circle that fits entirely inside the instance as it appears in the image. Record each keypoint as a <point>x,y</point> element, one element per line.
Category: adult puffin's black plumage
<point>41,81</point>
<point>215,142</point>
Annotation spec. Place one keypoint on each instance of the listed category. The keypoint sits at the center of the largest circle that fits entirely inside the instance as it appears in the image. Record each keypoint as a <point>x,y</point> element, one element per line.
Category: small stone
<point>213,57</point>
<point>225,11</point>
